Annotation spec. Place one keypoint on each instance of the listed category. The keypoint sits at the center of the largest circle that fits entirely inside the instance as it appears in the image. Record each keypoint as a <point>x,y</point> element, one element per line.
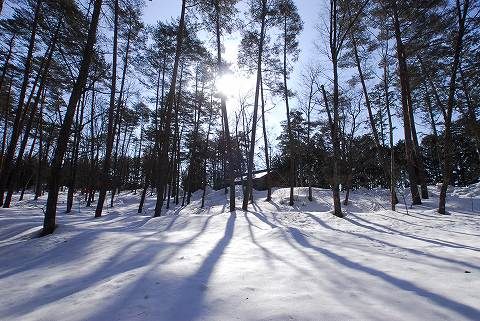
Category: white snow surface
<point>273,262</point>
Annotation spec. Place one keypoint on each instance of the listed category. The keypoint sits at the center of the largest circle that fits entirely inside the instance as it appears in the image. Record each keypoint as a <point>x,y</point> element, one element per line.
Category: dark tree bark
<point>54,180</point>
<point>386,88</point>
<point>111,117</point>
<point>38,180</point>
<point>334,48</point>
<point>5,122</point>
<point>289,126</point>
<point>16,127</point>
<point>383,160</point>
<point>7,60</point>
<point>118,116</point>
<point>409,148</point>
<point>162,159</point>
<point>447,162</point>
<point>193,157</point>
<point>223,104</point>
<point>251,152</point>
<point>74,162</point>
<point>265,143</point>
<point>148,174</point>
<point>206,158</point>
<point>91,188</point>
<point>33,111</point>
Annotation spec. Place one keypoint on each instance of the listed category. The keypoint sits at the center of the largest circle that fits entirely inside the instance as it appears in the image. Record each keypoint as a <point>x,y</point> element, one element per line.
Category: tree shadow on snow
<point>391,245</point>
<point>189,305</point>
<point>409,235</point>
<point>458,307</point>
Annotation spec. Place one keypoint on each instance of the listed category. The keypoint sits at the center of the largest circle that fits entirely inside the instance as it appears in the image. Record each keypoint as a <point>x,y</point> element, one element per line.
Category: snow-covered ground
<point>273,262</point>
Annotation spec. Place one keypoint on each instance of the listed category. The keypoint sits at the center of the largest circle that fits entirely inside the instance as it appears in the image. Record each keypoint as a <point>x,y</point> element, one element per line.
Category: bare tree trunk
<point>162,159</point>
<point>432,85</point>
<point>265,143</point>
<point>223,104</point>
<point>472,118</point>
<point>309,110</point>
<point>53,182</point>
<point>27,170</point>
<point>251,153</point>
<point>16,127</point>
<point>393,200</point>
<point>110,129</point>
<point>447,165</point>
<point>416,147</point>
<point>381,156</point>
<point>5,122</point>
<point>206,158</point>
<point>335,128</point>
<point>118,117</point>
<point>91,191</point>
<point>73,173</point>
<point>409,148</point>
<point>7,60</point>
<point>193,158</point>
<point>436,147</point>
<point>171,177</point>
<point>38,182</point>
<point>289,126</point>
<point>148,172</point>
<point>33,110</point>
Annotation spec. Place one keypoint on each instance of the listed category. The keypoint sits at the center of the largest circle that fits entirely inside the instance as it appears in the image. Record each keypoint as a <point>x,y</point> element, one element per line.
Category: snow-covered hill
<point>273,262</point>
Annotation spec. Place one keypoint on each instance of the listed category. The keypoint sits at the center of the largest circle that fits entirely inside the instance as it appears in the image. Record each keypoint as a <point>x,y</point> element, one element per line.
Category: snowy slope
<point>273,262</point>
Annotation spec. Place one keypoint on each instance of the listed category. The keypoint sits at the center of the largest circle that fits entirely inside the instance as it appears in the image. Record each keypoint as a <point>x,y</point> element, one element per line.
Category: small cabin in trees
<point>260,179</point>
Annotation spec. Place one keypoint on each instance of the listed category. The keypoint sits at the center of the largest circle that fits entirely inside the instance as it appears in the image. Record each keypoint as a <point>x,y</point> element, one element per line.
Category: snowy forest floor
<point>274,262</point>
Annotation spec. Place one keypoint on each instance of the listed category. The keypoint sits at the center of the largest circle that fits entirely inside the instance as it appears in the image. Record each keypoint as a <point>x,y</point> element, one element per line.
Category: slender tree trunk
<point>5,122</point>
<point>335,122</point>
<point>309,110</point>
<point>115,157</point>
<point>7,61</point>
<point>16,127</point>
<point>289,125</point>
<point>416,146</point>
<point>432,85</point>
<point>38,182</point>
<point>73,174</point>
<point>33,110</point>
<point>92,175</point>
<point>472,118</point>
<point>409,149</point>
<point>382,158</point>
<point>110,129</point>
<point>53,182</point>
<point>251,152</point>
<point>447,163</point>
<point>436,147</point>
<point>193,158</point>
<point>265,143</point>
<point>171,176</point>
<point>223,104</point>
<point>393,200</point>
<point>163,153</point>
<point>206,158</point>
<point>148,173</point>
<point>118,117</point>
<point>28,161</point>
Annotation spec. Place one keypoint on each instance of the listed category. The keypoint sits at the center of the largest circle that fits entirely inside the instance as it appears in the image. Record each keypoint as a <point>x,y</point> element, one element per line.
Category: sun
<point>231,84</point>
<point>226,84</point>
